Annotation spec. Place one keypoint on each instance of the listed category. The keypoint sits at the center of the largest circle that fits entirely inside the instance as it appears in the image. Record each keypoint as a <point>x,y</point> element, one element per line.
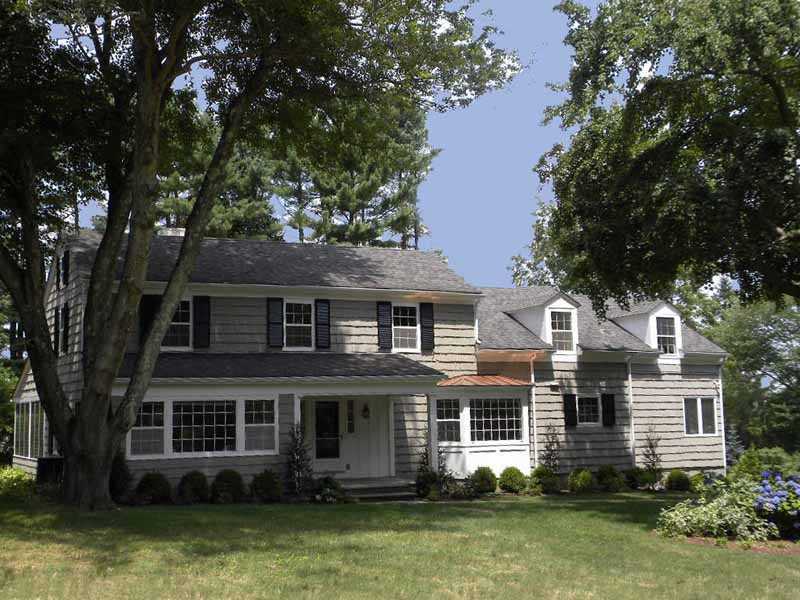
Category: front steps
<point>380,488</point>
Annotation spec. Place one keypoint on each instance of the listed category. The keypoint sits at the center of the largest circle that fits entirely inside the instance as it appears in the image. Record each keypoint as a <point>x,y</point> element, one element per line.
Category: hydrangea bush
<point>778,500</point>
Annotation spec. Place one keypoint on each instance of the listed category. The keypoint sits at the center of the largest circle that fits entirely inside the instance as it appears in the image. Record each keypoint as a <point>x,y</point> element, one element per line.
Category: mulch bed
<point>780,547</point>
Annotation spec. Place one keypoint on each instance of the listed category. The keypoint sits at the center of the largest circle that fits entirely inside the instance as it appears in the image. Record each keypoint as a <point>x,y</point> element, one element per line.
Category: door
<point>327,435</point>
<point>365,444</point>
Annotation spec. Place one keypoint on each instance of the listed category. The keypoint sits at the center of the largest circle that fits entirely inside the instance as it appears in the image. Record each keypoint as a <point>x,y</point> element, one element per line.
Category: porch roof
<point>483,381</point>
<point>282,365</point>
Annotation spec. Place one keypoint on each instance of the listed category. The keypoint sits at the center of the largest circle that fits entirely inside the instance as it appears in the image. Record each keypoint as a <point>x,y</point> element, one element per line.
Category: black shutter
<point>65,268</point>
<point>570,410</point>
<point>202,321</point>
<point>384,325</point>
<point>426,326</point>
<point>275,322</point>
<point>148,306</point>
<point>609,410</point>
<point>58,273</point>
<point>56,329</point>
<point>13,341</point>
<point>65,328</point>
<point>322,325</point>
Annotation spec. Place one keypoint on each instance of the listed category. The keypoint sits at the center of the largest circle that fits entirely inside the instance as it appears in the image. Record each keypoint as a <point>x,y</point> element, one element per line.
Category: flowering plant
<point>779,501</point>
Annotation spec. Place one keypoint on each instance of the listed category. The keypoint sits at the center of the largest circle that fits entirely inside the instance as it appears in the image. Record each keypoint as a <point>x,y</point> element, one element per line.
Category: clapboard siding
<point>238,325</point>
<point>174,468</point>
<point>410,433</point>
<point>659,391</point>
<point>583,446</point>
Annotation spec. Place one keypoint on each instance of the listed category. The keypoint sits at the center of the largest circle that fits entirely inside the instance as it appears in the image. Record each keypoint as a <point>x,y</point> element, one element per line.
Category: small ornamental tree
<point>299,472</point>
<point>651,458</point>
<point>550,456</point>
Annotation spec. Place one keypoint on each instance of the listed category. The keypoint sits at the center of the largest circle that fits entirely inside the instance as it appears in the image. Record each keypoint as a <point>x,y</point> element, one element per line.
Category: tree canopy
<point>89,114</point>
<point>685,151</point>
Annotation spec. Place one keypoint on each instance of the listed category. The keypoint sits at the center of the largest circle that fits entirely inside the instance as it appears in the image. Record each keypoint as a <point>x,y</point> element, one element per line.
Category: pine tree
<point>734,447</point>
<point>651,458</point>
<point>550,456</point>
<point>299,470</point>
<point>293,185</point>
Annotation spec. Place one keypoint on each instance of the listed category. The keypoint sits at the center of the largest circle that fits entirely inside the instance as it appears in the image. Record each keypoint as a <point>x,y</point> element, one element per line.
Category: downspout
<point>722,418</point>
<point>533,412</point>
<point>630,408</point>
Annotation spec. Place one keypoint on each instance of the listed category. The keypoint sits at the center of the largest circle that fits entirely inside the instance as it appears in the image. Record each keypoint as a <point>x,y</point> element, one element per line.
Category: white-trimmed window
<point>588,410</point>
<point>179,334</point>
<point>666,336</point>
<point>448,419</point>
<point>298,324</point>
<point>260,431</point>
<point>204,426</point>
<point>147,434</point>
<point>29,430</point>
<point>700,416</point>
<point>495,419</point>
<point>561,329</point>
<point>405,327</point>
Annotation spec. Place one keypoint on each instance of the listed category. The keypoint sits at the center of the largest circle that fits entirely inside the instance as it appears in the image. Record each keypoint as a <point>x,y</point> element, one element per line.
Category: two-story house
<point>376,351</point>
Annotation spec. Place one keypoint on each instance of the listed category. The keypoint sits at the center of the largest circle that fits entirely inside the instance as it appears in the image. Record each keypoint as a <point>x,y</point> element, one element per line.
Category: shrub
<point>15,484</point>
<point>581,481</point>
<point>228,487</point>
<point>299,472</point>
<point>433,495</point>
<point>697,483</point>
<point>725,509</point>
<point>609,479</point>
<point>119,482</point>
<point>484,480</point>
<point>462,490</point>
<point>755,461</point>
<point>267,487</point>
<point>426,481</point>
<point>778,500</point>
<point>512,480</point>
<point>544,478</point>
<point>651,458</point>
<point>550,456</point>
<point>153,488</point>
<point>329,491</point>
<point>633,477</point>
<point>193,487</point>
<point>678,481</point>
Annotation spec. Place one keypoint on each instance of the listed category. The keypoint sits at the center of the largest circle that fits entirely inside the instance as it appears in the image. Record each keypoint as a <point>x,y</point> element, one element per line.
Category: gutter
<point>335,379</point>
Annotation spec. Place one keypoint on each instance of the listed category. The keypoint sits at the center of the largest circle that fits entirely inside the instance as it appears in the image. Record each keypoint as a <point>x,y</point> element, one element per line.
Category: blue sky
<point>479,199</point>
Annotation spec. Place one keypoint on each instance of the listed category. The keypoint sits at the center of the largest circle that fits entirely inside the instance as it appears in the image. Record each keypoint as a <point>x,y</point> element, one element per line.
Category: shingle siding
<point>410,433</point>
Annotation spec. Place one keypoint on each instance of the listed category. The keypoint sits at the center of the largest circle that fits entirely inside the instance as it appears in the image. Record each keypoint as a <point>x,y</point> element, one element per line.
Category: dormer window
<point>665,334</point>
<point>562,331</point>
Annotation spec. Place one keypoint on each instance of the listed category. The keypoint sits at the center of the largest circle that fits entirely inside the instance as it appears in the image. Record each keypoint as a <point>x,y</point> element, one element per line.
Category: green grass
<point>562,547</point>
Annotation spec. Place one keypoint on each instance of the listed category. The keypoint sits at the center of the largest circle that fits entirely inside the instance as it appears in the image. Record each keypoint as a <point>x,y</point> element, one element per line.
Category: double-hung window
<point>495,419</point>
<point>179,334</point>
<point>299,325</point>
<point>405,328</point>
<point>700,416</point>
<point>588,410</point>
<point>259,425</point>
<point>665,333</point>
<point>147,434</point>
<point>29,427</point>
<point>561,330</point>
<point>448,420</point>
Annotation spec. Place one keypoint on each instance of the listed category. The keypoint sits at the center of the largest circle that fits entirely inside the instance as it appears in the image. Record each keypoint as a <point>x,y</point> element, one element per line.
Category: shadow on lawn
<point>110,539</point>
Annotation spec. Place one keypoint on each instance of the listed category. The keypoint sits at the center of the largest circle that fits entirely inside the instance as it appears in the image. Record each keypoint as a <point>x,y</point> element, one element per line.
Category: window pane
<point>259,412</point>
<point>298,336</point>
<point>690,416</point>
<point>448,416</point>
<point>665,325</point>
<point>404,316</point>
<point>147,441</point>
<point>177,336</point>
<point>562,340</point>
<point>709,415</point>
<point>588,410</point>
<point>298,325</point>
<point>204,426</point>
<point>405,338</point>
<point>495,420</point>
<point>182,312</point>
<point>561,329</point>
<point>665,330</point>
<point>259,437</point>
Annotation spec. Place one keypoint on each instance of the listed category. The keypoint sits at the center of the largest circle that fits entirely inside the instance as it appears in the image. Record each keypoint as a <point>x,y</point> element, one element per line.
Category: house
<point>378,352</point>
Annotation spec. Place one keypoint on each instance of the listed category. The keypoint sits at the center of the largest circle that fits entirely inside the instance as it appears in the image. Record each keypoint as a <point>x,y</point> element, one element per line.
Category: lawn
<point>562,547</point>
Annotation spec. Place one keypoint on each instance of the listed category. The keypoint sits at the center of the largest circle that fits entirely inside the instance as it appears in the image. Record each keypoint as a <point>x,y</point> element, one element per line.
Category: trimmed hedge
<point>193,488</point>
<point>609,479</point>
<point>512,480</point>
<point>153,488</point>
<point>546,480</point>
<point>484,480</point>
<point>267,487</point>
<point>228,487</point>
<point>581,481</point>
<point>677,480</point>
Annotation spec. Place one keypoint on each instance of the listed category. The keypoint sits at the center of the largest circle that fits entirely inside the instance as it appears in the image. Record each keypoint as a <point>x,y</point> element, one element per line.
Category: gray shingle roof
<point>262,262</point>
<point>282,365</point>
<point>499,330</point>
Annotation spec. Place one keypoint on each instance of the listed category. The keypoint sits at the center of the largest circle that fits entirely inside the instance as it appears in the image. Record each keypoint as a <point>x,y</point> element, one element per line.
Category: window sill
<point>299,348</point>
<point>590,426</point>
<point>182,455</point>
<point>697,435</point>
<point>406,351</point>
<point>175,349</point>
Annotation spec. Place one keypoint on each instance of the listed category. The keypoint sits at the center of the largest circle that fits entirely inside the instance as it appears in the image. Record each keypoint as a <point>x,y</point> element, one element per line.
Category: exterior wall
<point>658,392</point>
<point>410,433</point>
<point>174,468</point>
<point>584,446</point>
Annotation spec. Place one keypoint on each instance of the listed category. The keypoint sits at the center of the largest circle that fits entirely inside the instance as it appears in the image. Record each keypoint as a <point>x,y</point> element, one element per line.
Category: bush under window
<point>228,487</point>
<point>267,486</point>
<point>193,488</point>
<point>153,488</point>
<point>512,480</point>
<point>545,479</point>
<point>609,479</point>
<point>581,481</point>
<point>484,480</point>
<point>678,481</point>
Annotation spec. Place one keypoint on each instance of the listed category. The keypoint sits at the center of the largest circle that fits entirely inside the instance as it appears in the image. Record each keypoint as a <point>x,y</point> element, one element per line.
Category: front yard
<point>551,547</point>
